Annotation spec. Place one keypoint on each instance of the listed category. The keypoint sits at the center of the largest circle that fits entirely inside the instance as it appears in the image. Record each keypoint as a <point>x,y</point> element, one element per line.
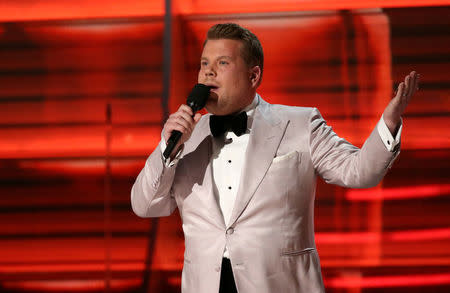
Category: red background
<point>66,167</point>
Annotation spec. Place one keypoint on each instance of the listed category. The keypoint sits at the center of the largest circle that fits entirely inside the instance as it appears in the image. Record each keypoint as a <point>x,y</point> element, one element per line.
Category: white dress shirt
<point>228,159</point>
<point>229,156</point>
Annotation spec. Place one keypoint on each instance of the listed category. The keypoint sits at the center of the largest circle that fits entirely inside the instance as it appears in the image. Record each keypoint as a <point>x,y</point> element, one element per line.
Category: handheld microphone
<point>196,100</point>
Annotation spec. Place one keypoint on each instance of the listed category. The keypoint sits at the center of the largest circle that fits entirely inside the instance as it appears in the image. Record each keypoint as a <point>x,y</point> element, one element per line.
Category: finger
<point>186,109</point>
<point>407,86</point>
<point>400,90</point>
<point>197,117</point>
<point>186,122</point>
<point>177,126</point>
<point>412,84</point>
<point>169,127</point>
<point>184,112</point>
<point>406,91</point>
<point>186,116</point>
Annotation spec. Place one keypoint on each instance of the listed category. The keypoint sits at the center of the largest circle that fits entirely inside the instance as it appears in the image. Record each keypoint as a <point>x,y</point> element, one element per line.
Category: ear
<point>255,76</point>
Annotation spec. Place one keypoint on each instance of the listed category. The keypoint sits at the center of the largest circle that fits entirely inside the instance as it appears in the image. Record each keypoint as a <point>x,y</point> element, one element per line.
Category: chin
<point>216,110</point>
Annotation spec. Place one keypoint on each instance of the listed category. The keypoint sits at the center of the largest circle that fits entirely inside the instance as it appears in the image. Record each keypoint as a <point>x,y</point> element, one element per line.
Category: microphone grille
<point>198,96</point>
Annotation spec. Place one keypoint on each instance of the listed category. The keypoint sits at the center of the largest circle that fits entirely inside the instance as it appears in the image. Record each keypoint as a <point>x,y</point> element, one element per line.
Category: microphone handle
<point>172,142</point>
<point>196,101</point>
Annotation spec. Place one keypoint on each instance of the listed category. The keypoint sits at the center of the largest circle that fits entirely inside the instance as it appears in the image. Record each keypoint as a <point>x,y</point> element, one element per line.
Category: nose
<point>210,71</point>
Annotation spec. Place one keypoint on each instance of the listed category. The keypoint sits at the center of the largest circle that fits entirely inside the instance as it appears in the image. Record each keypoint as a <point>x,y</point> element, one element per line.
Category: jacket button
<point>217,269</point>
<point>230,231</point>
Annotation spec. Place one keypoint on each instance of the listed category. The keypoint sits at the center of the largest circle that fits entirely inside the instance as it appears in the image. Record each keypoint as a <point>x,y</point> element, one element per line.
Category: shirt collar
<point>250,109</point>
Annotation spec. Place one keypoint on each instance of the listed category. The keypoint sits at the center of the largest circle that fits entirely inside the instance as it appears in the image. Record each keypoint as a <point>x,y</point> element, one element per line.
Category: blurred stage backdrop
<point>84,93</point>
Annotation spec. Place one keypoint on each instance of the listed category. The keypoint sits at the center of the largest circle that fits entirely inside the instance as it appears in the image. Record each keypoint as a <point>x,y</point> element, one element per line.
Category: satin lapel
<point>204,146</point>
<point>267,132</point>
<point>209,196</point>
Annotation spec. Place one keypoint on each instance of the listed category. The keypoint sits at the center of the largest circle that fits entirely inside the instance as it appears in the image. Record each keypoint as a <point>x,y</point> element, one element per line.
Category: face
<point>233,83</point>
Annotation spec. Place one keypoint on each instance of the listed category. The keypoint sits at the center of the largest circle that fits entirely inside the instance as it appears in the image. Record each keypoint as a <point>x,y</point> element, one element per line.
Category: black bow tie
<point>221,124</point>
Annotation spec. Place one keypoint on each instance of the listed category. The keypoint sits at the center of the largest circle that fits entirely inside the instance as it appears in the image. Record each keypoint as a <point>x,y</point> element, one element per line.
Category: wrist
<point>392,123</point>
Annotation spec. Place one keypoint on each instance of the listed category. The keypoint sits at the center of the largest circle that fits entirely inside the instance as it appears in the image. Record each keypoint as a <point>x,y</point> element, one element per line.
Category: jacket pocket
<point>288,156</point>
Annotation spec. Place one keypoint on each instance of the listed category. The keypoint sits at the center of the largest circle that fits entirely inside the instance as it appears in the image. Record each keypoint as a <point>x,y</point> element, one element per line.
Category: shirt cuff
<point>168,162</point>
<point>389,141</point>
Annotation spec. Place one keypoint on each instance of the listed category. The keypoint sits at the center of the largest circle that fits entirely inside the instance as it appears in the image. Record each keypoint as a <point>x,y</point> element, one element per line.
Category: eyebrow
<point>220,57</point>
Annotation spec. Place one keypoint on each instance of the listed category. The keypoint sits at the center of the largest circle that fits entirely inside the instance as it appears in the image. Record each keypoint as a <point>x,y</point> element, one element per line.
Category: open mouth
<point>213,92</point>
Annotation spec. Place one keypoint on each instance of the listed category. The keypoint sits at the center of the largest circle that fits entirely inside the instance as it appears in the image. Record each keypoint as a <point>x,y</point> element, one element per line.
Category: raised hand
<point>396,107</point>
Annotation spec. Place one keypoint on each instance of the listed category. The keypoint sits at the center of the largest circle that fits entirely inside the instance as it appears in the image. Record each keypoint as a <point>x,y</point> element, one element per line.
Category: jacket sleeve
<point>151,192</point>
<point>339,162</point>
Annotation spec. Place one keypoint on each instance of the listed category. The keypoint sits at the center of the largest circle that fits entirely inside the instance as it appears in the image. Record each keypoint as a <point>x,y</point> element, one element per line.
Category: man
<point>247,200</point>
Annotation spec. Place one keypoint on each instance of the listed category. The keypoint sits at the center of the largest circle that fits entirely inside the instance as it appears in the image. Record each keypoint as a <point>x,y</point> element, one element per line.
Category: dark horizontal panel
<point>405,214</point>
<point>79,204</point>
<point>410,16</point>
<point>418,248</point>
<point>75,72</point>
<point>429,73</point>
<point>82,112</point>
<point>27,196</point>
<point>428,114</point>
<point>417,173</point>
<point>413,214</point>
<point>425,158</point>
<point>42,42</point>
<point>443,59</point>
<point>445,85</point>
<point>387,270</point>
<point>87,125</point>
<point>107,77</point>
<point>411,46</point>
<point>109,85</point>
<point>428,103</point>
<point>64,220</point>
<point>99,234</point>
<point>80,276</point>
<point>419,30</point>
<point>367,247</point>
<point>126,58</point>
<point>69,262</point>
<point>77,96</point>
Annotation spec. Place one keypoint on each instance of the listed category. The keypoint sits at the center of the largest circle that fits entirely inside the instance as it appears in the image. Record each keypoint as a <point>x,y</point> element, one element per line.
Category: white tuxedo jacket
<point>270,236</point>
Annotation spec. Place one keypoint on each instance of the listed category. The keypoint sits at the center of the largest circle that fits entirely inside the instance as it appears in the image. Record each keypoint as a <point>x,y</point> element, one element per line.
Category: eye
<point>223,62</point>
<point>203,63</point>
